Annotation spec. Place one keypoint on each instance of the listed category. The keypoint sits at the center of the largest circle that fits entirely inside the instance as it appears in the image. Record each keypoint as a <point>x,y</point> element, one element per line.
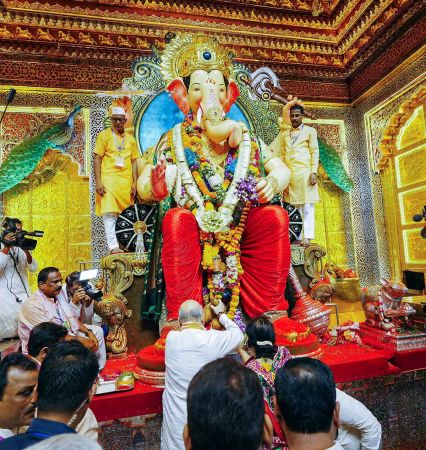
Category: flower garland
<point>220,207</point>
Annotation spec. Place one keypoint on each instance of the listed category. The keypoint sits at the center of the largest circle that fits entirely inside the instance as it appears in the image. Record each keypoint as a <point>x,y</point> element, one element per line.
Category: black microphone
<point>9,99</point>
<point>417,218</point>
<point>10,95</point>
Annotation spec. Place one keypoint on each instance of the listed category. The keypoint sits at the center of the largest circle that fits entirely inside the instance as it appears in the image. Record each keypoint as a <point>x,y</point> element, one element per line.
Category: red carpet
<point>349,362</point>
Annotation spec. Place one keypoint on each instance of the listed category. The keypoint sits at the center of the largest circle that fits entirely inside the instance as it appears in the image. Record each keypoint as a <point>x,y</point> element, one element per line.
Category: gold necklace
<point>210,154</point>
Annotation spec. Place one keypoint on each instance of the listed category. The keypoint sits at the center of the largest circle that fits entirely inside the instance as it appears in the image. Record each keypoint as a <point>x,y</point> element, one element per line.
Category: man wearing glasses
<point>115,173</point>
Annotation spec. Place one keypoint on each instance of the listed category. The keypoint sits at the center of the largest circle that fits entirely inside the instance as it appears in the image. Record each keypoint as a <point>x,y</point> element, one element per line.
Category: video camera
<point>10,225</point>
<point>91,291</point>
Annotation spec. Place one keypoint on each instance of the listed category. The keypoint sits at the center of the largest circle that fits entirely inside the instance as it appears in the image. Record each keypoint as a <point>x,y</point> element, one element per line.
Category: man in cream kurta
<point>115,168</point>
<point>301,155</point>
<point>187,351</point>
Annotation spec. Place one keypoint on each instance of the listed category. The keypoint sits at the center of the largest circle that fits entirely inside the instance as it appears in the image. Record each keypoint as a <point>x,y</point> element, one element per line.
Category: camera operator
<point>80,303</point>
<point>14,266</point>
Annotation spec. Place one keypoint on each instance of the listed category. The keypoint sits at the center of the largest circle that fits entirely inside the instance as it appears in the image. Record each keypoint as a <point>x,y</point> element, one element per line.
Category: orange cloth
<point>116,180</point>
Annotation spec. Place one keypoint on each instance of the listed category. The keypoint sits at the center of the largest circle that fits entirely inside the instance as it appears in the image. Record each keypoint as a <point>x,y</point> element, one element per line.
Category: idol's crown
<point>187,53</point>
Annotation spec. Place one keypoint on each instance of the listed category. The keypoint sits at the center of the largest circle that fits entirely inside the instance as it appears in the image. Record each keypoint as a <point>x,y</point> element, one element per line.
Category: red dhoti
<point>265,258</point>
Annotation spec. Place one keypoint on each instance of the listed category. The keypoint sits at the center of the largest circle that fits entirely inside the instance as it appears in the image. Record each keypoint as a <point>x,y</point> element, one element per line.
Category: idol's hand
<point>158,180</point>
<point>265,193</point>
<point>291,101</point>
<point>313,179</point>
<point>100,189</point>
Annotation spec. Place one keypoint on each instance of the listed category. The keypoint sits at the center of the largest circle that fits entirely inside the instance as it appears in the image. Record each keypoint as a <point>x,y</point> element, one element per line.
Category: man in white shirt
<point>80,303</point>
<point>14,289</point>
<point>187,350</point>
<point>305,405</point>
<point>359,429</point>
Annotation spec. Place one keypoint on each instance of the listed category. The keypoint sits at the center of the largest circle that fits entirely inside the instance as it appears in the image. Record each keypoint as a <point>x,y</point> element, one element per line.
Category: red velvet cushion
<point>151,358</point>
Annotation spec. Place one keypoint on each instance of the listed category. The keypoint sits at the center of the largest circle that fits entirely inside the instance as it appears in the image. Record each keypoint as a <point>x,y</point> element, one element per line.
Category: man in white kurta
<point>359,429</point>
<point>301,155</point>
<point>14,289</point>
<point>187,350</point>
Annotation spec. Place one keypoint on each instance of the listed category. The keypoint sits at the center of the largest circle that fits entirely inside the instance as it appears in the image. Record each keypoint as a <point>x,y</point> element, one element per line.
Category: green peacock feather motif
<point>332,164</point>
<point>23,158</point>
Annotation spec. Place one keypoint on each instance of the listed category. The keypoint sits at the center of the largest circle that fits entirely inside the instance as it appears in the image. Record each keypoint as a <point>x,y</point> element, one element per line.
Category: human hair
<point>68,441</point>
<point>299,107</point>
<point>259,331</point>
<point>190,311</point>
<point>13,361</point>
<point>306,395</point>
<point>66,377</point>
<point>225,407</point>
<point>43,275</point>
<point>72,278</point>
<point>45,334</point>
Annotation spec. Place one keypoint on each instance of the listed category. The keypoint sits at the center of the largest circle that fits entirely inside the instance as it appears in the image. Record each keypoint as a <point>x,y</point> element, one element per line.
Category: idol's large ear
<point>232,95</point>
<point>179,94</point>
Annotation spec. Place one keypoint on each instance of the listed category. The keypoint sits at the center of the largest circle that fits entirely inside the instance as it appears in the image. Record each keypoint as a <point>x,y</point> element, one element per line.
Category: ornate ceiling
<point>328,50</point>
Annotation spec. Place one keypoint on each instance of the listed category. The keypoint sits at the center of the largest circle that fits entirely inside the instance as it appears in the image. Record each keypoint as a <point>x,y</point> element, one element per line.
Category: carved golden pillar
<point>124,274</point>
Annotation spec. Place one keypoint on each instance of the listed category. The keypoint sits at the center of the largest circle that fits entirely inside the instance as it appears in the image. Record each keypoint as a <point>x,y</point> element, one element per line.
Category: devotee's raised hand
<point>313,179</point>
<point>218,309</point>
<point>158,180</point>
<point>265,193</point>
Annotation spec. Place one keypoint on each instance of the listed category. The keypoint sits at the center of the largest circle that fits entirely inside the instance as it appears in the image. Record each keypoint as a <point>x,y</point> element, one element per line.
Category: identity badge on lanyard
<point>119,160</point>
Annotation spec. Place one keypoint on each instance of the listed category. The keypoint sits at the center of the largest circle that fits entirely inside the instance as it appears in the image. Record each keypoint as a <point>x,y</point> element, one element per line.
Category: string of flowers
<point>221,250</point>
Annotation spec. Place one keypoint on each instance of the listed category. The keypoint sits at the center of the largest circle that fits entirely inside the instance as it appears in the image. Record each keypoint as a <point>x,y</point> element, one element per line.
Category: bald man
<point>187,350</point>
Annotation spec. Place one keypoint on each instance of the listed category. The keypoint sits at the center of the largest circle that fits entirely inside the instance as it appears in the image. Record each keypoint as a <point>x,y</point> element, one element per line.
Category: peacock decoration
<point>24,158</point>
<point>333,166</point>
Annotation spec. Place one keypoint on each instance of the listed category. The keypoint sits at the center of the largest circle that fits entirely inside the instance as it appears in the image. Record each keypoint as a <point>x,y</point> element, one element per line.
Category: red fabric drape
<point>181,257</point>
<point>265,257</point>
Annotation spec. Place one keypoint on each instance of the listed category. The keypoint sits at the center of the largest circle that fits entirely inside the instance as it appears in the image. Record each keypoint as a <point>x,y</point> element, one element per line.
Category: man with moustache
<point>18,378</point>
<point>49,304</point>
<point>115,168</point>
<point>301,155</point>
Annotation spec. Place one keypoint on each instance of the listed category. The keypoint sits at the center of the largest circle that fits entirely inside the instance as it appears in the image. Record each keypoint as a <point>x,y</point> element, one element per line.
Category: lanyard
<point>296,134</point>
<point>119,146</point>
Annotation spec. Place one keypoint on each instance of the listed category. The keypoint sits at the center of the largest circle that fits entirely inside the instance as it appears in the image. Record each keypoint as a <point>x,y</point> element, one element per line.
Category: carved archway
<point>402,165</point>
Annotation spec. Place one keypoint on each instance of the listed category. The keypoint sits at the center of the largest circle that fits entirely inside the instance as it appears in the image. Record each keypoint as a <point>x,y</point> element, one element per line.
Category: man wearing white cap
<point>115,173</point>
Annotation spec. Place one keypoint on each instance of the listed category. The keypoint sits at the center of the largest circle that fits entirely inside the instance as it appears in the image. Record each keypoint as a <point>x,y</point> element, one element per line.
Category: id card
<point>119,161</point>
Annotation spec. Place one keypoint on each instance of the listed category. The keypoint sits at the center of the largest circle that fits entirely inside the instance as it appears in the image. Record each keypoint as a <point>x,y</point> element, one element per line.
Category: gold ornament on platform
<point>115,313</point>
<point>187,53</point>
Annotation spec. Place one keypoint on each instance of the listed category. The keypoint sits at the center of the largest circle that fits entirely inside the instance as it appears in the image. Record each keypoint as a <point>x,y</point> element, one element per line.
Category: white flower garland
<point>223,217</point>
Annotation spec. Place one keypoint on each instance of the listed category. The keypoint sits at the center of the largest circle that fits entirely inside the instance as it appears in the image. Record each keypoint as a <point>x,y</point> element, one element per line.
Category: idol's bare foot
<point>115,250</point>
<point>305,242</point>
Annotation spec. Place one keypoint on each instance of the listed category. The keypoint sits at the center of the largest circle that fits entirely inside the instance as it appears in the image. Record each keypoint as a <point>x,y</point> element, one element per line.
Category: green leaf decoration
<point>333,166</point>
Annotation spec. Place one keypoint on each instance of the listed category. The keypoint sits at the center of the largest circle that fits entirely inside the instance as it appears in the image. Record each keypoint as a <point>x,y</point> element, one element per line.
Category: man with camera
<point>15,262</point>
<point>50,304</point>
<point>80,296</point>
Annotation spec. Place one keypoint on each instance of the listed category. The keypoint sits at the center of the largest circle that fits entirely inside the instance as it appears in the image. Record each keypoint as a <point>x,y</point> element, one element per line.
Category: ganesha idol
<point>222,240</point>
